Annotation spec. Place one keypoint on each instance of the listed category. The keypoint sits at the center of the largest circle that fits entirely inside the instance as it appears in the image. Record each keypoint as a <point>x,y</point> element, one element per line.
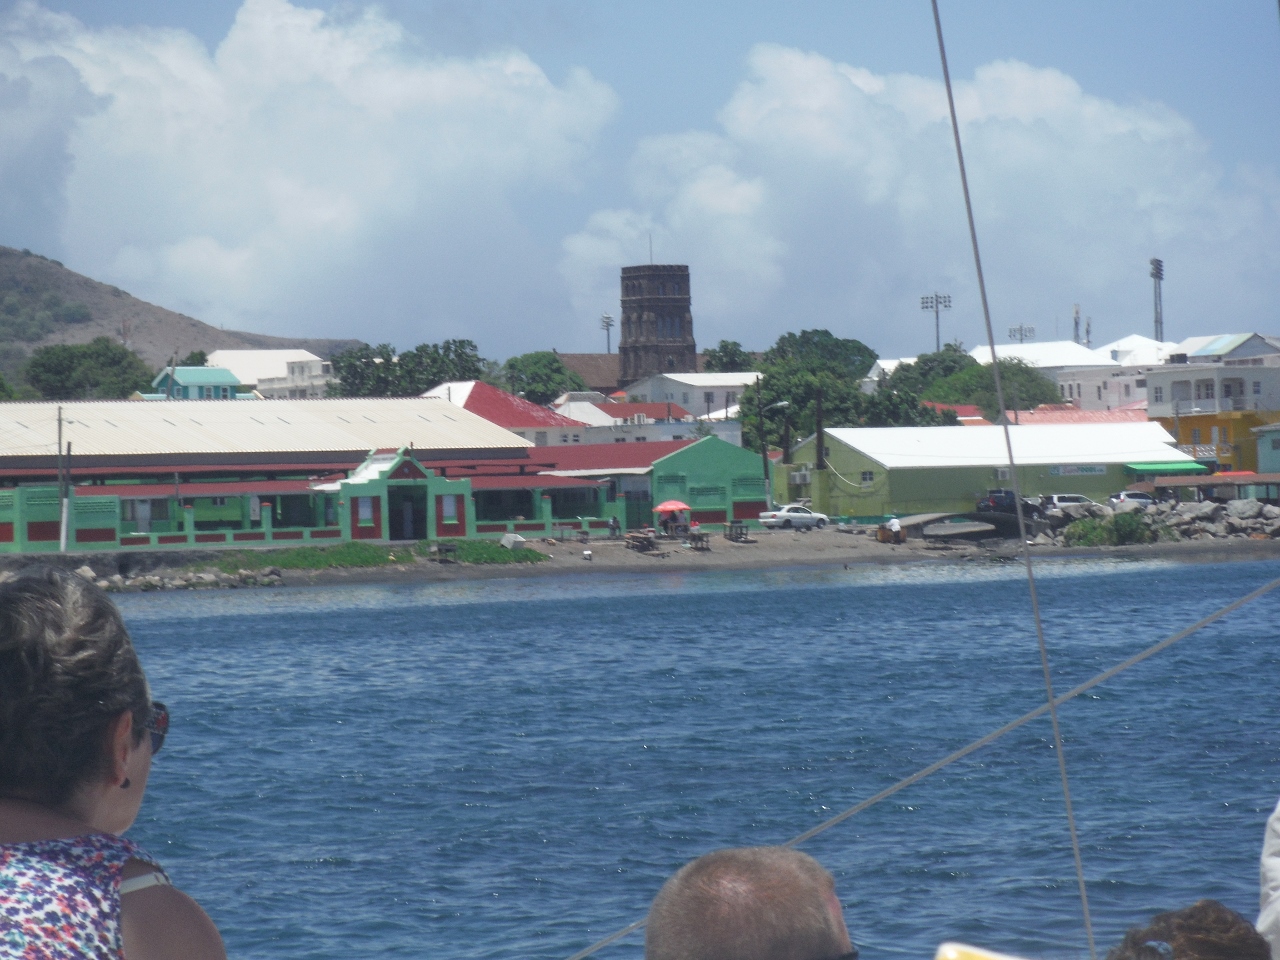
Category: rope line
<point>990,738</point>
<point>1017,499</point>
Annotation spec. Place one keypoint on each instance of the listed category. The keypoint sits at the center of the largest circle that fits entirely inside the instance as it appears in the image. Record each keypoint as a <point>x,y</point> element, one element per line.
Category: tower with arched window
<point>657,324</point>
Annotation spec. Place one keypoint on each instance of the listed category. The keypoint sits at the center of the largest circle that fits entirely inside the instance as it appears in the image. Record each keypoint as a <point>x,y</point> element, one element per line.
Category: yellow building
<point>1225,436</point>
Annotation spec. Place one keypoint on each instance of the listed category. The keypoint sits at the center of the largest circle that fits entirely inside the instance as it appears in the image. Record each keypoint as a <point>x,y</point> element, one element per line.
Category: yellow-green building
<point>883,471</point>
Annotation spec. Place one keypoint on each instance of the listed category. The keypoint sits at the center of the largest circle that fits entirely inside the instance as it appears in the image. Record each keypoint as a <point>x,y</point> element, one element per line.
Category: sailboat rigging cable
<point>1052,702</point>
<point>1017,497</point>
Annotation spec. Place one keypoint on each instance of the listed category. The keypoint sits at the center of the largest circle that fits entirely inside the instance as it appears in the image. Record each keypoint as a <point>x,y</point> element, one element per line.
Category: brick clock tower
<point>657,326</point>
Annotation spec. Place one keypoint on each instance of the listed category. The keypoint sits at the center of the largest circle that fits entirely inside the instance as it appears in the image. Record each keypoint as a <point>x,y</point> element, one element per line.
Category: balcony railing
<point>1206,451</point>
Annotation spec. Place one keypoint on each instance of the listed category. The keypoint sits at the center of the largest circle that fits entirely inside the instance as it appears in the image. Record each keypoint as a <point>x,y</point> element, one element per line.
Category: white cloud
<point>313,174</point>
<point>829,197</point>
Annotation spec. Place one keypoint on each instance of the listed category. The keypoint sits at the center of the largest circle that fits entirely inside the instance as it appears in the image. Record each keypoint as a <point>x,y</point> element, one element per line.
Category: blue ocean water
<point>512,768</point>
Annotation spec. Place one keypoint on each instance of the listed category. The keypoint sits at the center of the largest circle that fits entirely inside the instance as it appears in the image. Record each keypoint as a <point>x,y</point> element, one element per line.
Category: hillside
<point>42,303</point>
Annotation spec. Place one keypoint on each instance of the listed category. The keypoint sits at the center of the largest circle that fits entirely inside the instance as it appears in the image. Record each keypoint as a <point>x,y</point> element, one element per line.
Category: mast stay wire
<point>1017,499</point>
<point>988,739</point>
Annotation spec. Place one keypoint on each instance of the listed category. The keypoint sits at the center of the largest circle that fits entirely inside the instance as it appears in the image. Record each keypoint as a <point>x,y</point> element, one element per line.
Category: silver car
<point>793,515</point>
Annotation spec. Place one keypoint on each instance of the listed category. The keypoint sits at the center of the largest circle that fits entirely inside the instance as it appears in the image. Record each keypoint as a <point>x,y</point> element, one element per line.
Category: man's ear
<point>119,743</point>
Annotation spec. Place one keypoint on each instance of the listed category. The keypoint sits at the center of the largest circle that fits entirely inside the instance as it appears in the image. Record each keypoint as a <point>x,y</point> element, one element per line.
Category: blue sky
<point>415,171</point>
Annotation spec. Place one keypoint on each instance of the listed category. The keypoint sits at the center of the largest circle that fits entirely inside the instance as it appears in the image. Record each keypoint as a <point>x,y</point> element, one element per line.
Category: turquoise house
<point>196,383</point>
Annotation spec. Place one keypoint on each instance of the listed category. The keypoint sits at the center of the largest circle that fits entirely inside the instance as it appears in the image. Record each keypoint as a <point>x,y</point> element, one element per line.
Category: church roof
<point>600,370</point>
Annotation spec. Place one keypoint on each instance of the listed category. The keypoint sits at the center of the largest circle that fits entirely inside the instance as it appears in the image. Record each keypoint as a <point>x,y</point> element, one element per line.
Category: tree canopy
<point>196,358</point>
<point>6,391</point>
<point>541,376</point>
<point>99,370</point>
<point>800,366</point>
<point>1024,388</point>
<point>727,357</point>
<point>366,371</point>
<point>929,368</point>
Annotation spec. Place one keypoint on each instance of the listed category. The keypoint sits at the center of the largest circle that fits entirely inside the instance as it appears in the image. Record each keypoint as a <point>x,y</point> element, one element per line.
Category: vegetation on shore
<point>1117,531</point>
<point>358,555</point>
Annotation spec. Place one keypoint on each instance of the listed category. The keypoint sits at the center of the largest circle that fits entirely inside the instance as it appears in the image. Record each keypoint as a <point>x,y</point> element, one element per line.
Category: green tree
<point>929,368</point>
<point>101,369</point>
<point>822,350</point>
<point>1024,388</point>
<point>727,357</point>
<point>6,391</point>
<point>366,371</point>
<point>196,358</point>
<point>541,376</point>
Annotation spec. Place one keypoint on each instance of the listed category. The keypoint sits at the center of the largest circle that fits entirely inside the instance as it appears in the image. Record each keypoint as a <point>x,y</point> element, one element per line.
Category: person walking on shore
<point>78,730</point>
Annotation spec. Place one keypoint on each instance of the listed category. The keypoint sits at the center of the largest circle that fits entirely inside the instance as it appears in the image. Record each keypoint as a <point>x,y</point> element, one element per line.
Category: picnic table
<point>446,552</point>
<point>700,541</point>
<point>642,540</point>
<point>736,530</point>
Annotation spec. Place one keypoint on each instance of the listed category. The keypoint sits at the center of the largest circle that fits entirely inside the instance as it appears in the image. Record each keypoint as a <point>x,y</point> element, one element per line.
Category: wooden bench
<point>700,541</point>
<point>446,552</point>
<point>736,530</point>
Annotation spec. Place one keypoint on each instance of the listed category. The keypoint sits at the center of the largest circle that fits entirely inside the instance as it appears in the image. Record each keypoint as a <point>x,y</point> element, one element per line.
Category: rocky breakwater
<point>185,580</point>
<point>1094,524</point>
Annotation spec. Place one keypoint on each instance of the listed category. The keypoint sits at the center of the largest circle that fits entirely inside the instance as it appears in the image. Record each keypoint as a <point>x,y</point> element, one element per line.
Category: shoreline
<point>771,550</point>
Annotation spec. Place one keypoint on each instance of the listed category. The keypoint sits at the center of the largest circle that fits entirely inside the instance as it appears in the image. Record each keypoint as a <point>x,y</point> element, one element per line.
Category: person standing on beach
<point>78,730</point>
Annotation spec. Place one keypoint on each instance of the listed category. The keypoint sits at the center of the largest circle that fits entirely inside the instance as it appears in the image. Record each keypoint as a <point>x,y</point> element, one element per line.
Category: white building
<point>706,395</point>
<point>1186,389</point>
<point>882,368</point>
<point>1049,357</point>
<point>277,374</point>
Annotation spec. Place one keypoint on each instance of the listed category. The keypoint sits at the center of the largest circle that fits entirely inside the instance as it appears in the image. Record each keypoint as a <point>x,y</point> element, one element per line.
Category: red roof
<point>232,488</point>
<point>1068,413</point>
<point>963,410</point>
<point>528,481</point>
<point>576,456</point>
<point>654,411</point>
<point>512,412</point>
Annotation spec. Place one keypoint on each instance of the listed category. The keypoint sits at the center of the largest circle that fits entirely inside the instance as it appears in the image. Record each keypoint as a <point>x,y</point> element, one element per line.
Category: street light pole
<point>764,444</point>
<point>936,302</point>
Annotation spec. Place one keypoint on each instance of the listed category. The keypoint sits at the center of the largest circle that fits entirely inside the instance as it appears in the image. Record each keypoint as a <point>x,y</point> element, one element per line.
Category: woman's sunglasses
<point>157,725</point>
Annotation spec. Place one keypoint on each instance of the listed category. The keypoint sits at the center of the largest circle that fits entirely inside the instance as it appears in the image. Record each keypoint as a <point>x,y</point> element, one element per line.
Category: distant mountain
<point>42,303</point>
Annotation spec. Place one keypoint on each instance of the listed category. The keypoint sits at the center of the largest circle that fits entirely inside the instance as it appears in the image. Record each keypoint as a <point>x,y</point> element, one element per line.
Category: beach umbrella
<point>670,506</point>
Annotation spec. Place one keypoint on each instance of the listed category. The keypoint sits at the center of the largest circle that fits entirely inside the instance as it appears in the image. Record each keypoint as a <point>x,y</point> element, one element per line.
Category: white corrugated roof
<point>254,366</point>
<point>1052,353</point>
<point>133,428</point>
<point>1136,350</point>
<point>742,379</point>
<point>1058,443</point>
<point>455,391</point>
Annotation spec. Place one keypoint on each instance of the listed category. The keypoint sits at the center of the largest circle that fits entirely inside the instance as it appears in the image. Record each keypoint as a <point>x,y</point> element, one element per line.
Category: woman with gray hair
<point>78,730</point>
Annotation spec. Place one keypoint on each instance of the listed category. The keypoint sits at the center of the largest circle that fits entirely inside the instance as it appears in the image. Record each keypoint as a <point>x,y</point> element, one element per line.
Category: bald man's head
<point>754,903</point>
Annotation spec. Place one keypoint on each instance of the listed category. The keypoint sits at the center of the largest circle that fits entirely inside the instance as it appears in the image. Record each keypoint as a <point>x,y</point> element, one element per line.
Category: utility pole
<point>1157,276</point>
<point>606,324</point>
<point>936,302</point>
<point>1075,334</point>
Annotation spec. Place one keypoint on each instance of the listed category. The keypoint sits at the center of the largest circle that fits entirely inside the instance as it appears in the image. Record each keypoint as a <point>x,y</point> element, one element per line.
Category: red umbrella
<point>670,506</point>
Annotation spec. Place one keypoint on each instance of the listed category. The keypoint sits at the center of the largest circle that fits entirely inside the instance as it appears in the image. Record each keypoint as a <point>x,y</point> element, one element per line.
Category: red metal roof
<point>654,411</point>
<point>964,410</point>
<point>576,456</point>
<point>528,481</point>
<point>229,489</point>
<point>512,412</point>
<point>1068,413</point>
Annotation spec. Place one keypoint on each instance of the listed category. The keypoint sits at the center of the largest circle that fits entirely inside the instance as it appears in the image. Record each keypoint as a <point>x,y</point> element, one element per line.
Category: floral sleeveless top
<point>60,899</point>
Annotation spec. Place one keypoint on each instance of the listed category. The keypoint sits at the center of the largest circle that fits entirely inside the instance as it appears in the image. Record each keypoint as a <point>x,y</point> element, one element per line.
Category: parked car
<point>1003,501</point>
<point>1051,500</point>
<point>793,515</point>
<point>1131,496</point>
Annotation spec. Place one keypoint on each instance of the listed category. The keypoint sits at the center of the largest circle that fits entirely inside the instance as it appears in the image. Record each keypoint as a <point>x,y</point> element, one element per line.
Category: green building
<point>874,472</point>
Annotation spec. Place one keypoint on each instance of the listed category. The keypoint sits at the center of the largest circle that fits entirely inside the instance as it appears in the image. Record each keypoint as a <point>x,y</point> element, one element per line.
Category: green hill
<point>43,303</point>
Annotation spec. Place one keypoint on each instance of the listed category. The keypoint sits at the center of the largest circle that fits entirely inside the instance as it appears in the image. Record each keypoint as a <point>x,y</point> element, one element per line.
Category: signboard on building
<point>1079,470</point>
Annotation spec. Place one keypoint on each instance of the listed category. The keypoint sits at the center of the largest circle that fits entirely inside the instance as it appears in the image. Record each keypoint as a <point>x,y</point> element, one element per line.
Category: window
<point>217,501</point>
<point>575,438</point>
<point>1099,393</point>
<point>868,476</point>
<point>642,439</point>
<point>129,508</point>
<point>730,399</point>
<point>1226,389</point>
<point>1213,434</point>
<point>449,509</point>
<point>1157,394</point>
<point>684,399</point>
<point>1257,388</point>
<point>564,438</point>
<point>364,511</point>
<point>1002,473</point>
<point>619,439</point>
<point>708,398</point>
<point>1141,384</point>
<point>1126,390</point>
<point>1195,434</point>
<point>1275,443</point>
<point>540,438</point>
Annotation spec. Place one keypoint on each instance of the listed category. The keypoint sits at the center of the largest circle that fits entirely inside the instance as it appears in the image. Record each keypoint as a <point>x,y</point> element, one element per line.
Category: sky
<point>418,170</point>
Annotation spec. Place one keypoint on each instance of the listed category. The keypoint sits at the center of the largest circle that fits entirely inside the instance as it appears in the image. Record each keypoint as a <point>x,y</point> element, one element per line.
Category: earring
<point>126,784</point>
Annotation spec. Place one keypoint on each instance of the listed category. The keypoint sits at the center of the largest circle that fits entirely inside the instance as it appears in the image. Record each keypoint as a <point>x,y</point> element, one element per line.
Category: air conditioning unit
<point>800,478</point>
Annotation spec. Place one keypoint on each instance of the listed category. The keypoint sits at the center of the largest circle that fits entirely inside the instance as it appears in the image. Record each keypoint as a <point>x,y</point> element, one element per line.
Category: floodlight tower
<point>1157,276</point>
<point>606,324</point>
<point>936,302</point>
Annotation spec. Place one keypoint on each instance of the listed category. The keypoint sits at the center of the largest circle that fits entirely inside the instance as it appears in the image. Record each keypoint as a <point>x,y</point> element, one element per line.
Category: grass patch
<point>309,558</point>
<point>487,551</point>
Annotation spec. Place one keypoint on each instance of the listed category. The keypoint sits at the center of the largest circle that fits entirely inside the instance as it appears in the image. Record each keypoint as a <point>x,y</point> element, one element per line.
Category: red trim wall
<point>211,538</point>
<point>286,535</point>
<point>96,535</point>
<point>249,535</point>
<point>749,510</point>
<point>325,533</point>
<point>6,532</point>
<point>710,516</point>
<point>457,529</point>
<point>43,531</point>
<point>366,533</point>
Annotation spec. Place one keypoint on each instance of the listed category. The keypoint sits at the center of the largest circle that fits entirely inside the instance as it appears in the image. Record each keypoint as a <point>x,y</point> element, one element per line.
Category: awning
<point>1168,469</point>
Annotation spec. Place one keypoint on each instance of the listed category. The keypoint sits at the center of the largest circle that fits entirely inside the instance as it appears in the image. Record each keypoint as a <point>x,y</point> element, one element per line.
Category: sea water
<point>512,768</point>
